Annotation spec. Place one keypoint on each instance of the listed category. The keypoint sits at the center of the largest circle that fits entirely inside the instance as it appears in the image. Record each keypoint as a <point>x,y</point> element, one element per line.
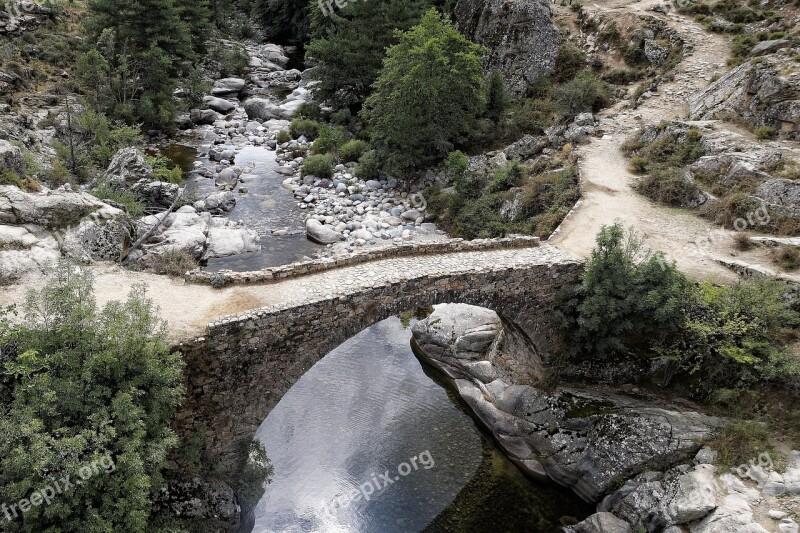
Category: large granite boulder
<point>589,440</point>
<point>128,166</point>
<point>52,210</point>
<point>25,250</point>
<point>199,235</point>
<point>228,86</point>
<point>522,39</point>
<point>11,158</point>
<point>783,195</point>
<point>600,523</point>
<point>763,92</point>
<point>321,233</point>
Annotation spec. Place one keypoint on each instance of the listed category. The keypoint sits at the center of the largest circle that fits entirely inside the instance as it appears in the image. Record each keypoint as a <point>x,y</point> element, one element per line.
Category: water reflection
<point>368,407</point>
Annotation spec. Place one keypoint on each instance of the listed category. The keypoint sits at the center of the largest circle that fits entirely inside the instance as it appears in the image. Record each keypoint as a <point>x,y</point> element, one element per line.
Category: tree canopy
<point>427,96</point>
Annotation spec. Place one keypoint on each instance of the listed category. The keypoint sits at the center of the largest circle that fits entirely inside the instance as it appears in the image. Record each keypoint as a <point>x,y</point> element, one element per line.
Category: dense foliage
<point>349,45</point>
<point>139,51</point>
<point>88,385</point>
<point>427,97</point>
<point>631,302</point>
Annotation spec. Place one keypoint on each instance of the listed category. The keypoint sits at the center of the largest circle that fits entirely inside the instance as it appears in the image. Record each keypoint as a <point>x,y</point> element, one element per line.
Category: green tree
<point>349,45</point>
<point>627,300</point>
<point>90,386</point>
<point>284,21</point>
<point>427,97</point>
<point>497,98</point>
<point>142,48</point>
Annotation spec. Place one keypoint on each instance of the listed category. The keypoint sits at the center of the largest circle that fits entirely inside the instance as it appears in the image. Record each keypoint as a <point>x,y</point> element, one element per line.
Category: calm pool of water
<point>370,415</point>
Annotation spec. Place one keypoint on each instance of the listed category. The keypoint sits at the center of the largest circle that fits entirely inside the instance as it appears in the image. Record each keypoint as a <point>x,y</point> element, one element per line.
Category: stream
<point>370,440</point>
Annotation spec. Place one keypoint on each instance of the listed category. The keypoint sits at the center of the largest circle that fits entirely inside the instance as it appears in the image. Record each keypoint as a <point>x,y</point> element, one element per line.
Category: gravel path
<point>693,243</point>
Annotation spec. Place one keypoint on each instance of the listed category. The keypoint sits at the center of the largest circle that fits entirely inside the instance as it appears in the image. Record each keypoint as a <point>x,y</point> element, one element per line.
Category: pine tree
<point>349,45</point>
<point>427,97</point>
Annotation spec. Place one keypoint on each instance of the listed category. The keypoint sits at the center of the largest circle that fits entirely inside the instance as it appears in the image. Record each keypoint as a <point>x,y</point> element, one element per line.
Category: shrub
<point>9,177</point>
<point>669,187</point>
<point>583,93</point>
<point>787,257</point>
<point>353,150</point>
<point>634,56</point>
<point>742,241</point>
<point>319,165</point>
<point>329,139</point>
<point>368,166</point>
<point>733,336</point>
<point>739,442</point>
<point>173,263</point>
<point>456,164</point>
<point>92,385</point>
<point>626,299</point>
<point>304,127</point>
<point>283,136</point>
<point>639,164</point>
<point>765,132</point>
<point>164,170</point>
<point>123,198</point>
<point>569,61</point>
<point>507,177</point>
<point>310,111</point>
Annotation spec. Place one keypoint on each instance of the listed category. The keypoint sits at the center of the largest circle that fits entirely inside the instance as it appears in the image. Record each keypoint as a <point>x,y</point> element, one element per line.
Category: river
<point>369,440</point>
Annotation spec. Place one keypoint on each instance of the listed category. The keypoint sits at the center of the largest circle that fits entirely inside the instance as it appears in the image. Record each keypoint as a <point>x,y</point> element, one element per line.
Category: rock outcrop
<point>763,92</point>
<point>199,235</point>
<point>36,227</point>
<point>11,158</point>
<point>588,440</point>
<point>521,37</point>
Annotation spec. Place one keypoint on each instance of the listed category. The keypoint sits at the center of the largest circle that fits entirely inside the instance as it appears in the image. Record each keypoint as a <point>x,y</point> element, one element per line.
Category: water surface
<point>368,408</point>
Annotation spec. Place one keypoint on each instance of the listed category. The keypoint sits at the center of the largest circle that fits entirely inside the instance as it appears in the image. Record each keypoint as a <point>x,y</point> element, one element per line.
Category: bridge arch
<point>244,365</point>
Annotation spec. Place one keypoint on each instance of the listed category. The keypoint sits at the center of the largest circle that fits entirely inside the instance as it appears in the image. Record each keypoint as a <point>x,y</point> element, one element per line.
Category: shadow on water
<point>366,408</point>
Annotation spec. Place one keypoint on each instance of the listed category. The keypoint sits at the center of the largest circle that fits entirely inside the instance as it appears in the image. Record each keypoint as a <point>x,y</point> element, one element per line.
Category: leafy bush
<point>368,166</point>
<point>739,442</point>
<point>283,136</point>
<point>627,298</point>
<point>91,386</point>
<point>122,198</point>
<point>9,177</point>
<point>164,170</point>
<point>310,111</point>
<point>329,139</point>
<point>304,127</point>
<point>669,186</point>
<point>173,263</point>
<point>743,241</point>
<point>787,257</point>
<point>319,165</point>
<point>507,177</point>
<point>353,150</point>
<point>456,164</point>
<point>569,61</point>
<point>583,93</point>
<point>765,132</point>
<point>732,336</point>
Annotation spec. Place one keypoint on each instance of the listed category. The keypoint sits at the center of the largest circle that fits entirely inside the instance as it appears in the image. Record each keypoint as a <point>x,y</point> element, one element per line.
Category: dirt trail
<point>607,193</point>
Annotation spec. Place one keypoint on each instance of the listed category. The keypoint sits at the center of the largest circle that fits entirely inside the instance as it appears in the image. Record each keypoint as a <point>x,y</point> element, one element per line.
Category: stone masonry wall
<point>240,370</point>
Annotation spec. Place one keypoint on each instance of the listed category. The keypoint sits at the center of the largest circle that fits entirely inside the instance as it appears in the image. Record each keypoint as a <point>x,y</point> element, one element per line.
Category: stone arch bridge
<point>244,364</point>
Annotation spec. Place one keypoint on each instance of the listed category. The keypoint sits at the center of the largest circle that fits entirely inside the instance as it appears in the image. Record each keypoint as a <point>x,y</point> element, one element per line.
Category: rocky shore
<point>644,466</point>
